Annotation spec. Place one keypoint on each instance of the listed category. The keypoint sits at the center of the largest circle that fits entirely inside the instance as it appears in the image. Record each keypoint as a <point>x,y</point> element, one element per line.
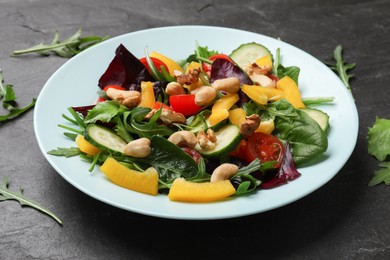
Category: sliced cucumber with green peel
<point>104,138</point>
<point>319,116</point>
<point>228,138</point>
<point>247,54</point>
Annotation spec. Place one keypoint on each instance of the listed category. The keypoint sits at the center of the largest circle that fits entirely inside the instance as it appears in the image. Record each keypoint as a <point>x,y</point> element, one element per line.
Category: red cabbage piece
<point>287,171</point>
<point>125,69</point>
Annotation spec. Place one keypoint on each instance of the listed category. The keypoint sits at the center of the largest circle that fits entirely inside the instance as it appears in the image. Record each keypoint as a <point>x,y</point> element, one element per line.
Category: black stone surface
<point>345,219</point>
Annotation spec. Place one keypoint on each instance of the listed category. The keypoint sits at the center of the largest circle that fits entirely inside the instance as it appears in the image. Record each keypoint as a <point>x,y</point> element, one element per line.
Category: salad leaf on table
<point>341,67</point>
<point>8,97</point>
<point>379,147</point>
<point>67,48</point>
<point>6,194</point>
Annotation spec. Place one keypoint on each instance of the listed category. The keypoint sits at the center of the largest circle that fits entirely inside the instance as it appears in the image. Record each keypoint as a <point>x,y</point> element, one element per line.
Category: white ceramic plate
<point>75,84</point>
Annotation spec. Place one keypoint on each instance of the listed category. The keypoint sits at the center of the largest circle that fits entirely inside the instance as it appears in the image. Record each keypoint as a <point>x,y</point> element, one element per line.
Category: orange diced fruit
<point>186,191</point>
<point>85,146</point>
<point>145,182</point>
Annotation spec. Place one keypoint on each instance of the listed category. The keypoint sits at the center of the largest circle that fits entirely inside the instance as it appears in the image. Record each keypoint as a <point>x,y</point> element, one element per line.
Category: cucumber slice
<point>228,138</point>
<point>319,116</point>
<point>104,138</point>
<point>246,54</point>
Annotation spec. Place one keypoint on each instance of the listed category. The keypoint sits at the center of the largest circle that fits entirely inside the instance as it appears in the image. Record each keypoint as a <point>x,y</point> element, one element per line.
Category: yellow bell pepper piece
<point>266,126</point>
<point>86,146</point>
<point>262,95</point>
<point>220,109</point>
<point>265,61</point>
<point>145,182</point>
<point>147,95</point>
<point>237,116</point>
<point>171,64</point>
<point>291,91</point>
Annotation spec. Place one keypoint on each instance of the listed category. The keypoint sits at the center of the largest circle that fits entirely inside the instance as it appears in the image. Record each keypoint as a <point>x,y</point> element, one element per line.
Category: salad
<point>202,129</point>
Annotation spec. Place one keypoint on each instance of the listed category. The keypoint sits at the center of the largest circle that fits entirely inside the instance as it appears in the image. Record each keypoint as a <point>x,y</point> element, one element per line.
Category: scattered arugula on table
<point>67,48</point>
<point>341,67</point>
<point>8,97</point>
<point>6,194</point>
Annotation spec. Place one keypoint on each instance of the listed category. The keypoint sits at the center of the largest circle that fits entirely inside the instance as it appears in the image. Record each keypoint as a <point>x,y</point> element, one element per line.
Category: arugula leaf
<point>8,97</point>
<point>341,67</point>
<point>292,72</point>
<point>382,175</point>
<point>104,111</point>
<point>66,49</point>
<point>67,152</point>
<point>6,194</point>
<point>379,139</point>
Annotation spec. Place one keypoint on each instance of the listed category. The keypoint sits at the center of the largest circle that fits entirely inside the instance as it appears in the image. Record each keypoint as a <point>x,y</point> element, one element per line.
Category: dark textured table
<point>345,219</point>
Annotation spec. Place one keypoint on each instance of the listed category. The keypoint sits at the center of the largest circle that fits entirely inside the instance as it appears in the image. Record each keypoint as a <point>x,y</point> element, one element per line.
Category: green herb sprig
<point>67,48</point>
<point>341,67</point>
<point>8,97</point>
<point>6,194</point>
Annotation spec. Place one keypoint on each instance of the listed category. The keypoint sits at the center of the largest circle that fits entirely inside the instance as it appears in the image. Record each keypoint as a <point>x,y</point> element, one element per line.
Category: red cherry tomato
<point>263,146</point>
<point>184,104</point>
<point>159,104</point>
<point>100,99</point>
<point>207,67</point>
<point>157,63</point>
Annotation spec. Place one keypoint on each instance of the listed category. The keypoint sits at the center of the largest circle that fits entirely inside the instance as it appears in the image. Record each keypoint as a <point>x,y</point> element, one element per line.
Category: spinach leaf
<point>292,72</point>
<point>170,161</point>
<point>104,111</point>
<point>305,136</point>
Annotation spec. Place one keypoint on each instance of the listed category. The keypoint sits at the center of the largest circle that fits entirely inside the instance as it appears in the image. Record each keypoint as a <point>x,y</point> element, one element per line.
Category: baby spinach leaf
<point>103,111</point>
<point>170,161</point>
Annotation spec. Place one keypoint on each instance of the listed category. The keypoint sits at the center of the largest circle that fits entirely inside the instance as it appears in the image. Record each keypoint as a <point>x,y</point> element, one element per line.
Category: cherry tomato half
<point>263,146</point>
<point>207,67</point>
<point>159,104</point>
<point>100,99</point>
<point>157,63</point>
<point>184,104</point>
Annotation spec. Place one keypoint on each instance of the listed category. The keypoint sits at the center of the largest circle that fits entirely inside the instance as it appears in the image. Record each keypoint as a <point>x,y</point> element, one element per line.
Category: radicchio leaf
<point>287,171</point>
<point>222,68</point>
<point>125,69</point>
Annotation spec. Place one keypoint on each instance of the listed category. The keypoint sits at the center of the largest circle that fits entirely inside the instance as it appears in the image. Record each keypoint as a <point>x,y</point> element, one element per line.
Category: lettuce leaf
<point>379,139</point>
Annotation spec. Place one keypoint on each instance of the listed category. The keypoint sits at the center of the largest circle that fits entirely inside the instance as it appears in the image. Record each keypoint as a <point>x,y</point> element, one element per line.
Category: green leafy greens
<point>8,97</point>
<point>379,146</point>
<point>67,48</point>
<point>341,67</point>
<point>6,194</point>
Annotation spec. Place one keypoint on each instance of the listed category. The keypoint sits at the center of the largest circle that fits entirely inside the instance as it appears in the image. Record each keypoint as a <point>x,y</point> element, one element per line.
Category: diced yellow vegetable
<point>182,190</point>
<point>145,182</point>
<point>220,109</point>
<point>171,64</point>
<point>266,126</point>
<point>147,95</point>
<point>291,91</point>
<point>262,95</point>
<point>237,116</point>
<point>85,146</point>
<point>265,61</point>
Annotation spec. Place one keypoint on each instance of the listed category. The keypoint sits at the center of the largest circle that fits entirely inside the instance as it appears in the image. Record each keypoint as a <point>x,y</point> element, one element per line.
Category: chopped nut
<point>224,172</point>
<point>262,80</point>
<point>256,69</point>
<point>204,95</point>
<point>183,139</point>
<point>211,135</point>
<point>128,98</point>
<point>191,77</point>
<point>168,116</point>
<point>138,148</point>
<point>174,88</point>
<point>229,85</point>
<point>204,142</point>
<point>250,125</point>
